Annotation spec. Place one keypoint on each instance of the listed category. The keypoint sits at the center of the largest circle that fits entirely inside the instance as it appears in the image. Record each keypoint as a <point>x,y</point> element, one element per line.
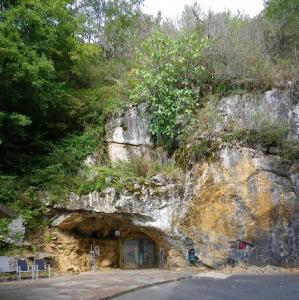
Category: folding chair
<point>41,266</point>
<point>23,267</point>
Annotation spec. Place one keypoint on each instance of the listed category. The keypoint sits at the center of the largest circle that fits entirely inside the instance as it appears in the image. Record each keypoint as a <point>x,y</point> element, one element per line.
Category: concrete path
<point>88,286</point>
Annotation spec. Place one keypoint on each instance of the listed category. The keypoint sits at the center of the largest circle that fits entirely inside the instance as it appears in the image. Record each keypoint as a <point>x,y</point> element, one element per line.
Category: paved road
<point>86,286</point>
<point>251,287</point>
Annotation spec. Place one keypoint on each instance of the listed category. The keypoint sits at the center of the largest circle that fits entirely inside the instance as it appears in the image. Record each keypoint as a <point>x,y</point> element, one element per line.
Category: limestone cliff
<point>241,206</point>
<point>244,198</point>
<point>275,105</point>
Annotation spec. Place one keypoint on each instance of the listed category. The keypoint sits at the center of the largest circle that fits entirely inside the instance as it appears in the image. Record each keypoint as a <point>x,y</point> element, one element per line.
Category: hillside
<point>118,126</point>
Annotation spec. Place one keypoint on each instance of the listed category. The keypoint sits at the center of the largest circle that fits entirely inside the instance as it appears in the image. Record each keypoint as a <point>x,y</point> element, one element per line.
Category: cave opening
<point>115,240</point>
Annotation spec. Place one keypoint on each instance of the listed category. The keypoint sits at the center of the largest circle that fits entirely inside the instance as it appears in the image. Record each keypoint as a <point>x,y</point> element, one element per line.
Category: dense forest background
<point>66,65</point>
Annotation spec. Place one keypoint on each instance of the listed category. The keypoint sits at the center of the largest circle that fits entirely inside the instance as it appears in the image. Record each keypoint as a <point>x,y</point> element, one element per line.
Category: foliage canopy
<point>38,52</point>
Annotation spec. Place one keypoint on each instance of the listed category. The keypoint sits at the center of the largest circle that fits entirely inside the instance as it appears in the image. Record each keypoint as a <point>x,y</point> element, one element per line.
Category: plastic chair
<point>41,266</point>
<point>23,267</point>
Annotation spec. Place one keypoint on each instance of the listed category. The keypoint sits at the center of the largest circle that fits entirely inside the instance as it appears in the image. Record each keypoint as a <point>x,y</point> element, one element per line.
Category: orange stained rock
<point>213,208</point>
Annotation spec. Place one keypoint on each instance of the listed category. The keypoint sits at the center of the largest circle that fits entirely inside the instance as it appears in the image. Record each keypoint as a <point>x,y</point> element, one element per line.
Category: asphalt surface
<point>87,286</point>
<point>251,287</point>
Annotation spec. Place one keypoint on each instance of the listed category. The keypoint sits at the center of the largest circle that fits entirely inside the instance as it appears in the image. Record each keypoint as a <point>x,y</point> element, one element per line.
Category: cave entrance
<point>115,238</point>
<point>138,252</point>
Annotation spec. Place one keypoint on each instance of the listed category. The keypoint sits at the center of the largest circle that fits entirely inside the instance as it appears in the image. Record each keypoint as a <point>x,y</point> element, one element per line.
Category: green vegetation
<point>261,131</point>
<point>66,65</point>
<point>265,134</point>
<point>203,142</point>
<point>169,79</point>
<point>272,134</point>
<point>121,176</point>
<point>4,222</point>
<point>38,49</point>
<point>283,14</point>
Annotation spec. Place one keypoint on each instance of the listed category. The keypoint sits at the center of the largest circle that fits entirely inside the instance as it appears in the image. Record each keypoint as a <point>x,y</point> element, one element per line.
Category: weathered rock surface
<point>16,232</point>
<point>90,160</point>
<point>275,105</point>
<point>244,208</point>
<point>241,207</point>
<point>127,134</point>
<point>149,205</point>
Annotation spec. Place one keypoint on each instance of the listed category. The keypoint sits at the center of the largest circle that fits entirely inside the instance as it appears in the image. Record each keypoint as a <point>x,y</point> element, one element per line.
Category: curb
<point>144,287</point>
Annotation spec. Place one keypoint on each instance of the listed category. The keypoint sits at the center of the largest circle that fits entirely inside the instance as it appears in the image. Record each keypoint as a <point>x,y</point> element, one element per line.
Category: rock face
<point>248,110</point>
<point>296,118</point>
<point>16,232</point>
<point>127,134</point>
<point>151,204</point>
<point>242,206</point>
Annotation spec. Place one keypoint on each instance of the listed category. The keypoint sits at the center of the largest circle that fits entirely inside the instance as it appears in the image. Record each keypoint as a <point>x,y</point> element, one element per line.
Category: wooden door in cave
<point>139,253</point>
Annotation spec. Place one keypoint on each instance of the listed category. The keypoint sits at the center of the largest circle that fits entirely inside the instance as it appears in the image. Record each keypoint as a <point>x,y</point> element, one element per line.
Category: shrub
<point>169,169</point>
<point>290,149</point>
<point>246,54</point>
<point>140,166</point>
<point>4,222</point>
<point>8,188</point>
<point>169,79</point>
<point>262,131</point>
<point>283,16</point>
<point>202,143</point>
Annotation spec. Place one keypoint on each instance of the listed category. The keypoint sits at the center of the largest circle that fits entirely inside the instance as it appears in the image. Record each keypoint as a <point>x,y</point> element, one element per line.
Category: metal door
<point>139,253</point>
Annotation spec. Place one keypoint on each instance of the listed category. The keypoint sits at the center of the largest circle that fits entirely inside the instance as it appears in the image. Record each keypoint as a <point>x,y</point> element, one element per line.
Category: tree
<point>5,4</point>
<point>169,79</point>
<point>285,15</point>
<point>108,23</point>
<point>38,52</point>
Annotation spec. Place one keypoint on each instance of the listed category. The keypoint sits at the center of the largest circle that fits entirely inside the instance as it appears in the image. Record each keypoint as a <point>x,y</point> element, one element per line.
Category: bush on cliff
<point>168,77</point>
